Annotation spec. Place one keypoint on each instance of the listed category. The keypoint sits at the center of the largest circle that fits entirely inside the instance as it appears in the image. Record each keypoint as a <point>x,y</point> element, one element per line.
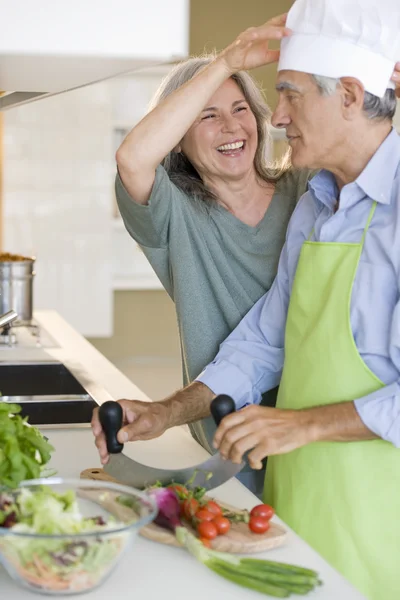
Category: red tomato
<point>207,529</point>
<point>179,490</point>
<point>223,525</point>
<point>264,511</point>
<point>204,515</point>
<point>205,542</point>
<point>259,525</point>
<point>213,507</point>
<point>190,506</point>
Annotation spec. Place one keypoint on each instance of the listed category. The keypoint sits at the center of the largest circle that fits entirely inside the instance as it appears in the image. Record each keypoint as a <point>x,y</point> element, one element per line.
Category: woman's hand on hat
<point>396,78</point>
<point>251,50</point>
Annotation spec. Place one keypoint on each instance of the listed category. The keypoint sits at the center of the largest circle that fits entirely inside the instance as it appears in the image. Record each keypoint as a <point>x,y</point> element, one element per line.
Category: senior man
<point>329,329</point>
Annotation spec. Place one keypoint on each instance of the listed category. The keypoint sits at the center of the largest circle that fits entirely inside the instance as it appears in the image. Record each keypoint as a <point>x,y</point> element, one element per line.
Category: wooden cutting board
<point>239,539</point>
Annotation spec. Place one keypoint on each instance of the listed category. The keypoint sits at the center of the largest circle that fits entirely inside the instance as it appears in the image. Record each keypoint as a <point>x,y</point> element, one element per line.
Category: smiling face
<point>314,123</point>
<point>222,142</point>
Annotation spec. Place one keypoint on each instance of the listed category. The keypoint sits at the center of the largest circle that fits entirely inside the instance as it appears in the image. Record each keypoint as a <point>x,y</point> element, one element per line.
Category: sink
<point>58,412</point>
<point>38,379</point>
<point>48,393</point>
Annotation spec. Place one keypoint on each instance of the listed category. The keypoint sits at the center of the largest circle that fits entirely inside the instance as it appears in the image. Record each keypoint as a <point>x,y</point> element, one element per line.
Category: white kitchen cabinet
<point>51,46</point>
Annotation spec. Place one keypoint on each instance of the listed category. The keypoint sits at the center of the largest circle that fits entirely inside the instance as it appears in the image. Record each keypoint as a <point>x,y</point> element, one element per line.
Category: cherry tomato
<point>263,510</point>
<point>190,506</point>
<point>207,529</point>
<point>213,507</point>
<point>205,542</point>
<point>223,525</point>
<point>204,515</point>
<point>179,490</point>
<point>259,525</point>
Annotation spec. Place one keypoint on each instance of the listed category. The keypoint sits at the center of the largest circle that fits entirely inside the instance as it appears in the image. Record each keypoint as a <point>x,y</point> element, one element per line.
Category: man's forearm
<point>335,423</point>
<point>189,404</point>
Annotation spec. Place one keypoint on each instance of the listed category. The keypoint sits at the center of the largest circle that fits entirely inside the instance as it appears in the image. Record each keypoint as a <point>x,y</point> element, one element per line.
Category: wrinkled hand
<point>263,430</point>
<point>396,78</point>
<point>140,421</point>
<point>250,49</point>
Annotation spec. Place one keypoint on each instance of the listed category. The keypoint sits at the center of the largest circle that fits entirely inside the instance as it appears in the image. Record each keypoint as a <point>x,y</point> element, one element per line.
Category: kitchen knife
<point>209,474</point>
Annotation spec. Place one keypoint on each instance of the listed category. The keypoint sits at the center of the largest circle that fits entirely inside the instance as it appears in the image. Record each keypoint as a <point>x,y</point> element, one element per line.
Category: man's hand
<point>141,421</point>
<point>396,78</point>
<point>148,420</point>
<point>266,430</point>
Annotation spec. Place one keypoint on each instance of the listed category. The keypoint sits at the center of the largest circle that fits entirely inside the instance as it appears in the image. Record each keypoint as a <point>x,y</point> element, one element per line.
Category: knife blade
<point>209,474</point>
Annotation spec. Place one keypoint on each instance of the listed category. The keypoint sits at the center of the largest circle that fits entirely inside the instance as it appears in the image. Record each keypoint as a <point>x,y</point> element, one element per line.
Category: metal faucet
<point>7,319</point>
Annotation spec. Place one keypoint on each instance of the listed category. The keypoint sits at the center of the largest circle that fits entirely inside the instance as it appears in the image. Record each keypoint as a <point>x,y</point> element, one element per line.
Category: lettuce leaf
<point>23,449</point>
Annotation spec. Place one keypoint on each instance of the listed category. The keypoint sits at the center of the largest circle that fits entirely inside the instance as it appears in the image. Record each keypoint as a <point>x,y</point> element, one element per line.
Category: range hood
<point>49,47</point>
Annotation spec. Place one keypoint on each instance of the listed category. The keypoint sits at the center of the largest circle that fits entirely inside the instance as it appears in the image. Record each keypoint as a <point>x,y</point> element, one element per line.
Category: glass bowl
<point>71,563</point>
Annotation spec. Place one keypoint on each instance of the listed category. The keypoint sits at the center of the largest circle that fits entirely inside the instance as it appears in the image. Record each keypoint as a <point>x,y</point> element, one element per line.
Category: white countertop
<point>149,569</point>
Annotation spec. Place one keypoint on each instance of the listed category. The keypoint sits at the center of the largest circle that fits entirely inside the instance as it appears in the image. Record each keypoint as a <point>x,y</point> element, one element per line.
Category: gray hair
<point>180,169</point>
<point>374,107</point>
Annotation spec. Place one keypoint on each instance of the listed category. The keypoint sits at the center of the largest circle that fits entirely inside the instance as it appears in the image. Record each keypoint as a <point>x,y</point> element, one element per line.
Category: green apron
<point>341,498</point>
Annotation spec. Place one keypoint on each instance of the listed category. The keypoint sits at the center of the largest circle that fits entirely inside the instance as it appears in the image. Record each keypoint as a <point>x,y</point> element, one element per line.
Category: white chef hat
<point>344,38</point>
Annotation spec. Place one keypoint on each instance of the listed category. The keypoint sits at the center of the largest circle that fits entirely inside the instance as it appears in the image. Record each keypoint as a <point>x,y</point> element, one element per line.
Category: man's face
<point>314,123</point>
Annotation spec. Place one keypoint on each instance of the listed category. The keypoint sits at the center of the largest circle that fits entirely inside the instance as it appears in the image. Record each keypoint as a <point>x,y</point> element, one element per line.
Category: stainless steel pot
<point>16,288</point>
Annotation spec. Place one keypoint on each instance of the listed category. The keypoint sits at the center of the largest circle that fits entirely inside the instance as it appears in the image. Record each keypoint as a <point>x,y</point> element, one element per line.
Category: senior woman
<point>196,193</point>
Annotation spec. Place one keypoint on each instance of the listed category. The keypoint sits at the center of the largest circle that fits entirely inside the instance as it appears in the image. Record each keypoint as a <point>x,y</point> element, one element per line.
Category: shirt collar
<point>376,180</point>
<point>324,188</point>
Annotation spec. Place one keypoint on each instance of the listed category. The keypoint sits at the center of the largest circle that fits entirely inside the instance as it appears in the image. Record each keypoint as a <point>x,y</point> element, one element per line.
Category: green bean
<point>249,582</point>
<point>282,567</point>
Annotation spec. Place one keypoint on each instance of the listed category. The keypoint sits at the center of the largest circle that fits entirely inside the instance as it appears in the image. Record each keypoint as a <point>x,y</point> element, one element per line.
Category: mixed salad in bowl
<point>65,536</point>
<point>59,536</point>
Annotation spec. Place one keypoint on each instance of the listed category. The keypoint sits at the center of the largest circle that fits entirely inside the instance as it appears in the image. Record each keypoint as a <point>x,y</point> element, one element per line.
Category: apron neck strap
<point>371,214</point>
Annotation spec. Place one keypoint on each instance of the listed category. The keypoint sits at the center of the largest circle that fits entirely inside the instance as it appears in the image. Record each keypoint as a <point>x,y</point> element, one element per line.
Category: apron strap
<point>371,214</point>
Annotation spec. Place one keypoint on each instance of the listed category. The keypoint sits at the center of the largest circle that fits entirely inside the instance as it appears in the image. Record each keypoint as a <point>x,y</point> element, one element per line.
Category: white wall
<point>59,202</point>
<point>58,180</point>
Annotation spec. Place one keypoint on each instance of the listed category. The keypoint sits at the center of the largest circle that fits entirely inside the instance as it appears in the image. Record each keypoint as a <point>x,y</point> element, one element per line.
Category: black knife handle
<point>110,416</point>
<point>222,406</point>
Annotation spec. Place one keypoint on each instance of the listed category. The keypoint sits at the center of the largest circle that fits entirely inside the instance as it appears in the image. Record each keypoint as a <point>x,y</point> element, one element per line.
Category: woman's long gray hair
<point>180,169</point>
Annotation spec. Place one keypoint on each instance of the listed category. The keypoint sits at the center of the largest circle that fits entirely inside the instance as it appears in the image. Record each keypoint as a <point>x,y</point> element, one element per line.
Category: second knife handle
<point>110,417</point>
<point>222,406</point>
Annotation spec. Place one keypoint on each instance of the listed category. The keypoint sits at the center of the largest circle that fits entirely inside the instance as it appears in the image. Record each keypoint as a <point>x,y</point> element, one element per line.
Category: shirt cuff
<point>380,412</point>
<point>225,378</point>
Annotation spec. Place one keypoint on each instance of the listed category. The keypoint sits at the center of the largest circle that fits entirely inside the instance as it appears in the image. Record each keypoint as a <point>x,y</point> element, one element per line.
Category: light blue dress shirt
<point>250,360</point>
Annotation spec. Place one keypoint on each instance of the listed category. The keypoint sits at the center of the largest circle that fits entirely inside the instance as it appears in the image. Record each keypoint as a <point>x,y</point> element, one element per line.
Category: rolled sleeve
<point>380,412</point>
<point>223,377</point>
